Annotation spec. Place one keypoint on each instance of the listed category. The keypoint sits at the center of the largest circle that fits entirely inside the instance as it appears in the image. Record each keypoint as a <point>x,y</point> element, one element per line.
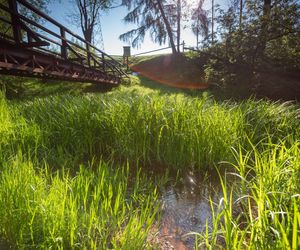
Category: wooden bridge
<point>47,49</point>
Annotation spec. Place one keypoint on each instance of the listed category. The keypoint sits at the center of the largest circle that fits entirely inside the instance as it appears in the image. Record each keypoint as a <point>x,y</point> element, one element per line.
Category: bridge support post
<point>103,63</point>
<point>15,21</point>
<point>88,54</point>
<point>63,48</point>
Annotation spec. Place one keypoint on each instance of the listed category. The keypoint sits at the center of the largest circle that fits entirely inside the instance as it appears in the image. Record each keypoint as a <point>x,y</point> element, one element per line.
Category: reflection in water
<point>186,208</point>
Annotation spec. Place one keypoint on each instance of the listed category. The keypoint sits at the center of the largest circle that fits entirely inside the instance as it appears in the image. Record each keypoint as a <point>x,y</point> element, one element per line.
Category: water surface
<point>186,207</point>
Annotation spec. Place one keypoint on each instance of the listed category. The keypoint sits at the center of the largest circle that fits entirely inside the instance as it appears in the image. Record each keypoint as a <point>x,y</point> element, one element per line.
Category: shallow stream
<point>186,208</point>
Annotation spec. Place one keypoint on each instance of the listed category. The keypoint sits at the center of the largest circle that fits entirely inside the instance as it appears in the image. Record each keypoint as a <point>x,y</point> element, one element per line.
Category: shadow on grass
<point>28,88</point>
<point>241,92</point>
<point>235,83</point>
<point>165,89</point>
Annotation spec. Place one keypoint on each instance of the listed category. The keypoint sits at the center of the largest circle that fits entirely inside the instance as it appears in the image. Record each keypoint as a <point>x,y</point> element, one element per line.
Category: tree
<point>88,15</point>
<point>162,18</point>
<point>212,20</point>
<point>199,21</point>
<point>178,24</point>
<point>265,21</point>
<point>155,16</point>
<point>256,36</point>
<point>167,24</point>
<point>229,33</point>
<point>271,21</point>
<point>241,14</point>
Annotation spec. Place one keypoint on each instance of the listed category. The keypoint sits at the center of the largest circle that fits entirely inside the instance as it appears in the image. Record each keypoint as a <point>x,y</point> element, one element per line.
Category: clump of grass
<point>273,121</point>
<point>92,209</point>
<point>52,197</point>
<point>265,213</point>
<point>173,129</point>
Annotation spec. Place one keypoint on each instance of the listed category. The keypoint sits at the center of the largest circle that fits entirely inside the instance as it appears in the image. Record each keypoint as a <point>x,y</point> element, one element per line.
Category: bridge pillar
<point>15,21</point>
<point>63,48</point>
<point>103,62</point>
<point>88,54</point>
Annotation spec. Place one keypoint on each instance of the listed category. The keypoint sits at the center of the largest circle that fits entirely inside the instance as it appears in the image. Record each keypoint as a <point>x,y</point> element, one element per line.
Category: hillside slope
<point>180,71</point>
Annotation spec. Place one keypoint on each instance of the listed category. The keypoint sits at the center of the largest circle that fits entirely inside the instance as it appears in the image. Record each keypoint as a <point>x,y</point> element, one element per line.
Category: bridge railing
<point>49,36</point>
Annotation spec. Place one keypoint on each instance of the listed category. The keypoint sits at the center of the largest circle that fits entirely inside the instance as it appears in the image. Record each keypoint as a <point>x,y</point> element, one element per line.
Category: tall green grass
<point>92,210</point>
<point>58,191</point>
<point>67,205</point>
<point>172,129</point>
<point>261,210</point>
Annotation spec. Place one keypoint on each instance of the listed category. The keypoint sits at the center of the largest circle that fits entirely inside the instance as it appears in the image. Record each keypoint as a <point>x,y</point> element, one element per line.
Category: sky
<point>112,26</point>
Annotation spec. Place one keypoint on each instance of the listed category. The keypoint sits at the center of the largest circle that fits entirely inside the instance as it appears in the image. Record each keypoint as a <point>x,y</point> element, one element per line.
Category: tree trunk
<point>262,36</point>
<point>178,24</point>
<point>197,39</point>
<point>264,25</point>
<point>168,26</point>
<point>241,14</point>
<point>88,35</point>
<point>212,21</point>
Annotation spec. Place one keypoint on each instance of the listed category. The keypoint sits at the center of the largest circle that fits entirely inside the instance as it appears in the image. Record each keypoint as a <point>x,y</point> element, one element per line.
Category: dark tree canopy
<point>254,38</point>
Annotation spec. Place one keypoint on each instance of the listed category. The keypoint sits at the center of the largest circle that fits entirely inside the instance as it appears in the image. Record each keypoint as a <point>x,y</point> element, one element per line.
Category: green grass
<point>143,58</point>
<point>93,209</point>
<point>261,210</point>
<point>67,204</point>
<point>148,126</point>
<point>22,88</point>
<point>68,162</point>
<point>173,130</point>
<point>180,69</point>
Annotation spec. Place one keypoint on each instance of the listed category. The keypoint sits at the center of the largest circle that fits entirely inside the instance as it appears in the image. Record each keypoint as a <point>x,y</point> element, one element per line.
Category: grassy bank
<point>65,182</point>
<point>181,71</point>
<point>202,70</point>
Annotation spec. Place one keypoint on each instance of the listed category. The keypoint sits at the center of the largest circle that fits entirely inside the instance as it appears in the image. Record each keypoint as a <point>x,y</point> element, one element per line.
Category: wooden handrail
<point>18,22</point>
<point>50,19</point>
